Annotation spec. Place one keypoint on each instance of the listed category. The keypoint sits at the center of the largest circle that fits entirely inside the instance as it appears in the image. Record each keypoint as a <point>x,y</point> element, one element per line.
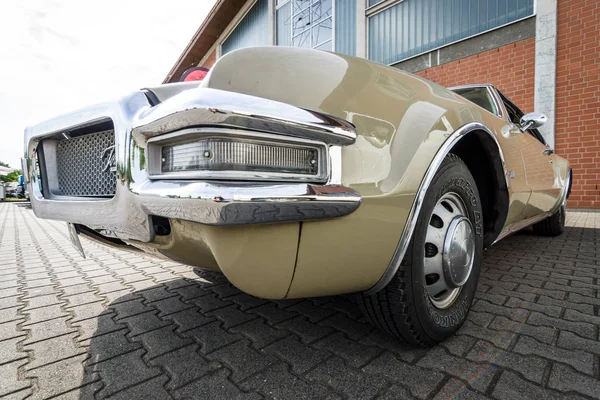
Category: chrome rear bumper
<point>127,214</point>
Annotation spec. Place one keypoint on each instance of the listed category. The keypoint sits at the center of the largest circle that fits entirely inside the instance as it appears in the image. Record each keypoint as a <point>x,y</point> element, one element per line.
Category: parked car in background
<point>11,189</point>
<point>301,173</point>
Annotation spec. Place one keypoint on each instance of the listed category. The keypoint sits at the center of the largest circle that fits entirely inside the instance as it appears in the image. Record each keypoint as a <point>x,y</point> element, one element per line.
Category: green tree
<point>11,177</point>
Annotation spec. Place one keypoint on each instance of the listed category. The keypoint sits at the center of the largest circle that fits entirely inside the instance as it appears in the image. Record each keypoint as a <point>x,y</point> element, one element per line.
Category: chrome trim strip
<point>411,221</point>
<point>562,199</point>
<point>521,225</point>
<point>235,203</point>
<point>210,107</point>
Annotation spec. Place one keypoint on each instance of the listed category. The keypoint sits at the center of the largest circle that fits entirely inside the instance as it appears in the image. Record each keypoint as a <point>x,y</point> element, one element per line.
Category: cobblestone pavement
<point>125,325</point>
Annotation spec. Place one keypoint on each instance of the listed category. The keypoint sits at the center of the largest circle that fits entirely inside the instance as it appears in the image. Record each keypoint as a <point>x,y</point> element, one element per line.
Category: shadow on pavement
<point>204,338</point>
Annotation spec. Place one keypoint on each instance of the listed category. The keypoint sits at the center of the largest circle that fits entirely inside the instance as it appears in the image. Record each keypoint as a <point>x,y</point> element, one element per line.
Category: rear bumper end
<point>231,202</point>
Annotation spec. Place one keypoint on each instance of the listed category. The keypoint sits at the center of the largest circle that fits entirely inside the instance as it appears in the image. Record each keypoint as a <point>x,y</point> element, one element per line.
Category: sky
<point>60,55</point>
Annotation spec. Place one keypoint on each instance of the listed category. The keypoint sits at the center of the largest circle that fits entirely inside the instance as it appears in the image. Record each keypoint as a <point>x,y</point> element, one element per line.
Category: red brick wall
<point>578,97</point>
<point>510,68</point>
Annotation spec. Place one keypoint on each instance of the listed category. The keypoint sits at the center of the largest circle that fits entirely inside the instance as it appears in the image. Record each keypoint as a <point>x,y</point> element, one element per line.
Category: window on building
<point>412,27</point>
<point>253,29</point>
<point>311,24</point>
<point>371,3</point>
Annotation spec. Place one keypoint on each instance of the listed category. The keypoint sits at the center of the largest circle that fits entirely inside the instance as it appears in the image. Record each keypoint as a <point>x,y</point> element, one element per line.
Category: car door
<point>538,159</point>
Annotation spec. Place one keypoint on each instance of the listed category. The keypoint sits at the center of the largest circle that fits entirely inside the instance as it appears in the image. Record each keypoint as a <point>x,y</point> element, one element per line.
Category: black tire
<point>554,225</point>
<point>403,308</point>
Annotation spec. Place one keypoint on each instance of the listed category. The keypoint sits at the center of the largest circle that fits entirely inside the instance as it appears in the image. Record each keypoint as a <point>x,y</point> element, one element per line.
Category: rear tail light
<point>231,157</point>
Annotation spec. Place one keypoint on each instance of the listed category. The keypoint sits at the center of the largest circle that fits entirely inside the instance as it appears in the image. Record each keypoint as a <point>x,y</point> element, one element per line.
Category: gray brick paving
<point>128,326</point>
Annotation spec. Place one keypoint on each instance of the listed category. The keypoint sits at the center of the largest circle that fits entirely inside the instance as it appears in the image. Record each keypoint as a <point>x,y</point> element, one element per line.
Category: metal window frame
<point>385,4</point>
<point>332,40</point>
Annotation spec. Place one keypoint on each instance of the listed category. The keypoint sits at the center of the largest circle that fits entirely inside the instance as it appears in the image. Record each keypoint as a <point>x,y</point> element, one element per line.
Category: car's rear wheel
<point>431,293</point>
<point>554,225</point>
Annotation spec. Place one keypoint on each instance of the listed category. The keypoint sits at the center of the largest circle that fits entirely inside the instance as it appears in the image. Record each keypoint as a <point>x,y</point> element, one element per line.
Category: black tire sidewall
<point>439,324</point>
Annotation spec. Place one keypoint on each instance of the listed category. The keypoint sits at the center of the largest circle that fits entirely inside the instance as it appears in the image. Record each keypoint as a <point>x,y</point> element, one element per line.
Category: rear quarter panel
<point>402,120</point>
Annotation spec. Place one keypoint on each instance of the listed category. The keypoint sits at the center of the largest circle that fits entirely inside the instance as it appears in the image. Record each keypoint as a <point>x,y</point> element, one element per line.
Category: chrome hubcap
<point>449,250</point>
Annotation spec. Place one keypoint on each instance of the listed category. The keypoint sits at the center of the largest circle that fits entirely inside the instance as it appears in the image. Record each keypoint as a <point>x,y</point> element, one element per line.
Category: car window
<point>515,114</point>
<point>480,96</point>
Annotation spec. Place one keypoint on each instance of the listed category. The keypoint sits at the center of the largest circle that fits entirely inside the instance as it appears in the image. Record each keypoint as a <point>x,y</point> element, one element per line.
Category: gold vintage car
<point>303,173</point>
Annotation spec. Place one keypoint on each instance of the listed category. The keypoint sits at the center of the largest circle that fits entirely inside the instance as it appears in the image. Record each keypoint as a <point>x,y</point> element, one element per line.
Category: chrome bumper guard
<point>127,215</point>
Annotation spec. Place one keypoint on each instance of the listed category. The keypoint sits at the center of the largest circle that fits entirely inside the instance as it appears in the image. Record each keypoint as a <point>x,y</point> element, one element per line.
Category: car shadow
<point>204,338</point>
<point>200,337</point>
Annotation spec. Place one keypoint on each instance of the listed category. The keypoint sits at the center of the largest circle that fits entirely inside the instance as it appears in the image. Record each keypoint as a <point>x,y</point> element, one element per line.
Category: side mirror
<point>532,120</point>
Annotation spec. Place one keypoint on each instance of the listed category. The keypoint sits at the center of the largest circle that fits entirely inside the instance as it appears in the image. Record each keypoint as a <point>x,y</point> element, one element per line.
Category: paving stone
<point>9,351</point>
<point>531,367</point>
<point>583,362</point>
<point>123,371</point>
<point>511,386</point>
<point>188,319</point>
<point>86,311</point>
<point>184,365</point>
<point>130,307</point>
<point>210,303</point>
<point>585,308</point>
<point>10,302</point>
<point>566,379</point>
<point>48,329</point>
<point>59,377</point>
<point>569,340</point>
<point>346,380</point>
<point>51,350</point>
<point>188,291</point>
<point>299,356</point>
<point>305,330</point>
<point>276,382</point>
<point>212,337</point>
<point>311,311</point>
<point>170,305</point>
<point>354,330</point>
<point>9,314</point>
<point>544,334</point>
<point>142,323</point>
<point>385,341</point>
<point>581,328</point>
<point>82,298</point>
<point>39,291</point>
<point>456,389</point>
<point>161,341</point>
<point>231,316</point>
<point>156,293</point>
<point>479,378</point>
<point>573,315</point>
<point>259,332</point>
<point>272,314</point>
<point>225,290</point>
<point>9,330</point>
<point>420,381</point>
<point>214,386</point>
<point>151,389</point>
<point>117,297</point>
<point>76,289</point>
<point>241,359</point>
<point>245,301</point>
<point>396,392</point>
<point>343,305</point>
<point>100,325</point>
<point>458,345</point>
<point>355,354</point>
<point>109,345</point>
